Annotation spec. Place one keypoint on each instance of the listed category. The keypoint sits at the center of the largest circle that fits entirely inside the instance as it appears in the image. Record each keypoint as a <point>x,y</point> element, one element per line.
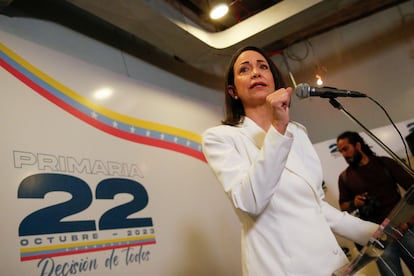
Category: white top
<point>274,182</point>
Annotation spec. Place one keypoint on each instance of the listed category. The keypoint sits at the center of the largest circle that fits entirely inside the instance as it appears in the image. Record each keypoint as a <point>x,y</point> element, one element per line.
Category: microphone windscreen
<point>302,90</point>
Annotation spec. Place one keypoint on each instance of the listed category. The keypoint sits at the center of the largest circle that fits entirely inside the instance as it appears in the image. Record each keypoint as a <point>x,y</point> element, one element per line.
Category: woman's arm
<point>249,175</point>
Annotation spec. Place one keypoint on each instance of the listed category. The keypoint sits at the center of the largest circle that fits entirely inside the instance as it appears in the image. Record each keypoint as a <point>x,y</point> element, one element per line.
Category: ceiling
<point>198,11</point>
<point>178,36</point>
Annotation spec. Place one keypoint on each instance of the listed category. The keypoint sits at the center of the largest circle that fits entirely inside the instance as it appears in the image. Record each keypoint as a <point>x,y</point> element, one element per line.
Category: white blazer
<point>274,182</point>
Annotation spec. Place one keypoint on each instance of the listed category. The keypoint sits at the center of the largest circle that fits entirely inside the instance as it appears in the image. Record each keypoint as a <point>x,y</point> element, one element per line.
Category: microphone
<point>304,90</point>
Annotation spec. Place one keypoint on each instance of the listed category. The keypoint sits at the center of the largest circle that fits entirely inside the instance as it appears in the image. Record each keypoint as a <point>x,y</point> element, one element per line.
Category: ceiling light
<point>319,80</point>
<point>219,11</point>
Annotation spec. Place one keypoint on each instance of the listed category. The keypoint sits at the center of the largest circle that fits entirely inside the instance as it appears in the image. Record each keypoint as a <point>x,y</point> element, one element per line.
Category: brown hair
<point>353,139</point>
<point>234,107</point>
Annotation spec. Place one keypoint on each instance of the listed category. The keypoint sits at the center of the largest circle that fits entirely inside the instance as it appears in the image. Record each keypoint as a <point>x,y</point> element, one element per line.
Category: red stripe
<point>60,254</point>
<point>105,128</point>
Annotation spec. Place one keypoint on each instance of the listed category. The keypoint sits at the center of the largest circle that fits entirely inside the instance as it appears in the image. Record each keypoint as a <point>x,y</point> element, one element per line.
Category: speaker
<point>410,141</point>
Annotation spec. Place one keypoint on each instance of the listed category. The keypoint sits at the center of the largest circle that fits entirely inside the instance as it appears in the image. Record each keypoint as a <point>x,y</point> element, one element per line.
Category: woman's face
<point>253,79</point>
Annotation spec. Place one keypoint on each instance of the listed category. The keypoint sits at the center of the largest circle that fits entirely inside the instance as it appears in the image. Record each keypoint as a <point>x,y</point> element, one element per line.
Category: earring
<point>236,97</point>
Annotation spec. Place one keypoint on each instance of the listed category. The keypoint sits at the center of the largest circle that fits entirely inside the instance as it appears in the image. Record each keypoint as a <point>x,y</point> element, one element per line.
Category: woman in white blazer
<point>273,177</point>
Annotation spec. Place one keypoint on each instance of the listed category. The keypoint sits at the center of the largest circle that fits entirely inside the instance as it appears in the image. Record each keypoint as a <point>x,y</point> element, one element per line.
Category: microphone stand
<point>337,105</point>
<point>394,225</point>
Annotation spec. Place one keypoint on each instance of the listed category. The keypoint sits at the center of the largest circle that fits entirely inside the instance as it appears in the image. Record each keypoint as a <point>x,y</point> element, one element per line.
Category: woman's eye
<point>264,66</point>
<point>243,69</point>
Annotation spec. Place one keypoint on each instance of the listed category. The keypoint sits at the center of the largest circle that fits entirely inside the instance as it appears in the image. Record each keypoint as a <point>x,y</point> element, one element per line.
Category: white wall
<point>374,55</point>
<point>51,116</point>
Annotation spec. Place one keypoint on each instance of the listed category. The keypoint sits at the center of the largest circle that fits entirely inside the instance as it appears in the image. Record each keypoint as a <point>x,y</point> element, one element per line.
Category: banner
<point>104,186</point>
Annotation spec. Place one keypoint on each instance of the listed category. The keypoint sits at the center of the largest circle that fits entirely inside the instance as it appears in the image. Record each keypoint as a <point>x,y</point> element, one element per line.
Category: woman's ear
<point>232,92</point>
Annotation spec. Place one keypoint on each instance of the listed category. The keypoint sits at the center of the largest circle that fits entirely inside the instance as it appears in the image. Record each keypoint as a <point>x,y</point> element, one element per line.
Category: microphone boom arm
<point>337,105</point>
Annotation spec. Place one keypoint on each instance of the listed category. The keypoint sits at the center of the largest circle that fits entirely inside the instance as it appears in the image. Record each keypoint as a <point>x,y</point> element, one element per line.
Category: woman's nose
<point>255,73</point>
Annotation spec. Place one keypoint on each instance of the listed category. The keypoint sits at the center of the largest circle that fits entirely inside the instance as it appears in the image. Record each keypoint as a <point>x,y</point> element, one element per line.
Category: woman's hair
<point>353,139</point>
<point>234,107</point>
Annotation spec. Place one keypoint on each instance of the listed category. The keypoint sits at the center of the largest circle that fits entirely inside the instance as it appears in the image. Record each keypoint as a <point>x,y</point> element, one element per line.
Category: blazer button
<point>335,252</point>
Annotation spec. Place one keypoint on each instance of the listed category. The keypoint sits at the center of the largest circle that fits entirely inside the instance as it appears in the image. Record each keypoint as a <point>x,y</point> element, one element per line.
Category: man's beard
<point>354,161</point>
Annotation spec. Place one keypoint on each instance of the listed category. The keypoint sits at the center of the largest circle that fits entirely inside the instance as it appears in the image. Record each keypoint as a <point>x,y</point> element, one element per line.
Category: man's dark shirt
<point>379,182</point>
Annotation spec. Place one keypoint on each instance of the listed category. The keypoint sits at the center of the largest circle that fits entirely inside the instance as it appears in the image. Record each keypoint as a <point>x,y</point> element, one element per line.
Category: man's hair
<point>234,107</point>
<point>353,139</point>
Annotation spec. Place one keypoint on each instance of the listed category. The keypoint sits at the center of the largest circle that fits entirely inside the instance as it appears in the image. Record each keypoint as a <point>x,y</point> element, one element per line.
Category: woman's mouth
<point>257,84</point>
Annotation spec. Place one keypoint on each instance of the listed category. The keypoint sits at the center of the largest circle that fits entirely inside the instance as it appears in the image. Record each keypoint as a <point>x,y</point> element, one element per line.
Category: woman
<point>272,175</point>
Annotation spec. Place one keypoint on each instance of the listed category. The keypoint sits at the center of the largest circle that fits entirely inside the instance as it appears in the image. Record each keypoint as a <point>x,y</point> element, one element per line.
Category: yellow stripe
<point>100,109</point>
<point>72,245</point>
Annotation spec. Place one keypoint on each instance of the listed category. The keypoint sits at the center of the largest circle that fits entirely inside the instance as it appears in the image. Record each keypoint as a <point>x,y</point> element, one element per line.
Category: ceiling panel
<point>177,35</point>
